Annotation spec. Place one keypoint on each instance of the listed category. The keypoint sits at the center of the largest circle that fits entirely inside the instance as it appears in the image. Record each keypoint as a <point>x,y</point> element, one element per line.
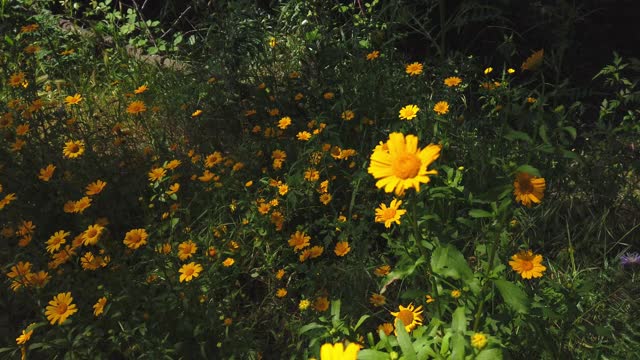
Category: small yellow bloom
<point>196,113</point>
<point>73,100</point>
<point>141,89</point>
<point>282,292</point>
<point>189,271</point>
<point>228,262</point>
<point>409,112</point>
<point>452,81</point>
<point>414,69</point>
<point>479,340</point>
<point>284,122</point>
<point>373,55</point>
<point>441,107</point>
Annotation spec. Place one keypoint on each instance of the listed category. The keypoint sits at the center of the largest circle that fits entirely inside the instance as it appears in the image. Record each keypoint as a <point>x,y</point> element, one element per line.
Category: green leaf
<point>571,130</point>
<point>309,327</point>
<point>543,133</point>
<point>360,321</point>
<point>152,50</point>
<point>517,135</point>
<point>529,170</point>
<point>479,213</point>
<point>457,347</point>
<point>368,354</point>
<point>335,313</point>
<point>514,296</point>
<point>490,354</point>
<point>405,342</point>
<point>459,321</point>
<point>449,262</point>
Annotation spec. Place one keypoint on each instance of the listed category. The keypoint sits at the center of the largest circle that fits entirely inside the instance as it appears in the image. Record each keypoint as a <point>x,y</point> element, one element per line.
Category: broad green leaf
<point>518,135</point>
<point>459,321</point>
<point>457,346</point>
<point>309,327</point>
<point>479,213</point>
<point>360,321</point>
<point>368,354</point>
<point>405,342</point>
<point>529,170</point>
<point>513,295</point>
<point>571,130</point>
<point>449,262</point>
<point>490,354</point>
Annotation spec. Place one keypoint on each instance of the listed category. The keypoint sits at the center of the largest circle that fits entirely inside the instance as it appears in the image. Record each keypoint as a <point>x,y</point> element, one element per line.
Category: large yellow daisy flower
<point>409,112</point>
<point>60,308</point>
<point>399,163</point>
<point>391,214</point>
<point>528,189</point>
<point>338,351</point>
<point>410,316</point>
<point>527,264</point>
<point>135,238</point>
<point>189,271</point>
<point>73,149</point>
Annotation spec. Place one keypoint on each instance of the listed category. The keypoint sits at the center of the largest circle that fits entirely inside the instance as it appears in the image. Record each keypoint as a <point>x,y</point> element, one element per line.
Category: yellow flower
<point>81,205</point>
<point>95,187</point>
<point>528,189</point>
<point>25,336</point>
<point>189,271</point>
<point>534,61</point>
<point>73,149</point>
<point>488,70</point>
<point>377,300</point>
<point>173,189</point>
<point>382,270</point>
<point>527,264</point>
<point>342,248</point>
<point>321,304</point>
<point>46,173</point>
<point>410,316</point>
<point>228,262</point>
<point>441,107</point>
<point>283,189</point>
<point>452,81</point>
<point>92,234</point>
<point>479,340</point>
<point>156,174</point>
<point>303,136</point>
<point>136,107</point>
<point>299,240</point>
<point>141,89</point>
<point>207,176</point>
<point>414,69</point>
<point>387,328</point>
<point>196,113</point>
<point>284,122</point>
<point>56,240</point>
<point>325,198</point>
<point>213,159</point>
<point>311,175</point>
<point>391,214</point>
<point>98,307</point>
<point>409,112</point>
<point>7,200</point>
<point>429,299</point>
<point>272,42</point>
<point>511,71</point>
<point>60,308</point>
<point>135,238</point>
<point>282,292</point>
<point>399,163</point>
<point>455,294</point>
<point>373,55</point>
<point>16,79</point>
<point>186,250</point>
<point>338,351</point>
<point>73,100</point>
<point>173,164</point>
<point>29,28</point>
<point>304,304</point>
<point>22,129</point>
<point>328,95</point>
<point>280,274</point>
<point>38,279</point>
<point>347,115</point>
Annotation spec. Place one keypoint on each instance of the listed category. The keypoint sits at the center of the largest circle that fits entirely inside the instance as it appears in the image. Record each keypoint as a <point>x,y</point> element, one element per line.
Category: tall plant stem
<point>492,255</point>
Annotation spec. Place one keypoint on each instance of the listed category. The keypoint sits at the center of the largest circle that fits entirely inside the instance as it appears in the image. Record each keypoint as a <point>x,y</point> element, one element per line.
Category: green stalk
<point>492,255</point>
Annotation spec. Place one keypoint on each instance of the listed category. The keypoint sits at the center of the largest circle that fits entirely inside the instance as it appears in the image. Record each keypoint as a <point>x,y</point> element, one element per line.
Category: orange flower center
<point>406,316</point>
<point>134,238</point>
<point>73,148</point>
<point>389,213</point>
<point>526,187</point>
<point>61,308</point>
<point>189,272</point>
<point>527,265</point>
<point>92,233</point>
<point>406,166</point>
